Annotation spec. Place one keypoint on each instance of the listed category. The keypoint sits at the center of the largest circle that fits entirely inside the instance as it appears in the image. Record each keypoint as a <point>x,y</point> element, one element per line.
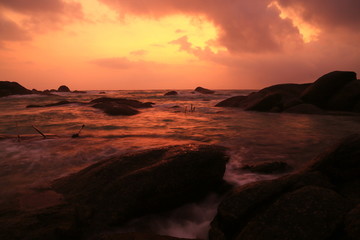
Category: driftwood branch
<point>38,131</point>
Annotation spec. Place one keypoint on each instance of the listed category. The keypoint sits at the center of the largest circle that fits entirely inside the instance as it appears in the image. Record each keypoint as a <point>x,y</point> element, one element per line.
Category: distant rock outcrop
<point>63,88</point>
<point>171,93</point>
<point>60,103</point>
<point>12,88</point>
<point>319,202</point>
<point>335,91</point>
<point>204,90</point>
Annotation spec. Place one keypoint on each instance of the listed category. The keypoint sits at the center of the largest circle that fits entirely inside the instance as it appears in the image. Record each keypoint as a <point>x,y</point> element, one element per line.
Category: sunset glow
<point>109,44</point>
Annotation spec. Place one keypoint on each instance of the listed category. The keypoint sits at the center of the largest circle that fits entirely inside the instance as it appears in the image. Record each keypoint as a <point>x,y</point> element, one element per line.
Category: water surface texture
<point>251,137</point>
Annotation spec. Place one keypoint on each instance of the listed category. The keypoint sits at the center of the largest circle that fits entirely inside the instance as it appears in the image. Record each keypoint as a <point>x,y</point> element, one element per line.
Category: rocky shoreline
<point>321,201</point>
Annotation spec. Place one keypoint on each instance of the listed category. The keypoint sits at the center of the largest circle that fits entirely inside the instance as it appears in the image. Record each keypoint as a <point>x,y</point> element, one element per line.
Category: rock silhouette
<point>63,88</point>
<point>331,93</point>
<point>171,93</point>
<point>318,202</point>
<point>12,88</point>
<point>204,90</point>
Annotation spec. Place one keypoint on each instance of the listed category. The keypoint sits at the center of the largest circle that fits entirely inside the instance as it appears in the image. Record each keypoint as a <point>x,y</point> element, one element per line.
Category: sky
<point>176,44</point>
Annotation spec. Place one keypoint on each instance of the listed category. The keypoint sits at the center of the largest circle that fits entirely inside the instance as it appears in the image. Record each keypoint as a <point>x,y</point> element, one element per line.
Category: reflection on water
<point>250,137</point>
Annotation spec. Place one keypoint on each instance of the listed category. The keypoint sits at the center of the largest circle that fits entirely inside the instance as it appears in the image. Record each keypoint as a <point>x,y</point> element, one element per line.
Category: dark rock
<point>346,98</point>
<point>171,93</point>
<point>232,102</point>
<point>76,91</point>
<point>129,102</point>
<point>63,88</point>
<point>310,204</point>
<point>116,109</point>
<point>341,162</point>
<point>64,102</point>
<point>305,108</point>
<point>133,185</point>
<point>267,99</point>
<point>135,236</point>
<point>267,103</point>
<point>204,90</point>
<point>12,88</point>
<point>322,90</point>
<point>307,213</point>
<point>102,92</point>
<point>352,223</point>
<point>268,167</point>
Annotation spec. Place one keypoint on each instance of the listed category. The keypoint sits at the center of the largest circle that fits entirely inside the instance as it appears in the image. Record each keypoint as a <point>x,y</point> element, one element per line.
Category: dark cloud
<point>327,13</point>
<point>43,6</point>
<point>245,26</point>
<point>10,31</point>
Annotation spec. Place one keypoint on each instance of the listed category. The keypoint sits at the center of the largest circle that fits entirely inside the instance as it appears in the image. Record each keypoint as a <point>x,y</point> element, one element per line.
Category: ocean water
<point>251,137</point>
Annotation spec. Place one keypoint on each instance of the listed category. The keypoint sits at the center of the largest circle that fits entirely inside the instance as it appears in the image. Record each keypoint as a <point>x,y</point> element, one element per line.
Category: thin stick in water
<point>78,134</point>
<point>38,131</point>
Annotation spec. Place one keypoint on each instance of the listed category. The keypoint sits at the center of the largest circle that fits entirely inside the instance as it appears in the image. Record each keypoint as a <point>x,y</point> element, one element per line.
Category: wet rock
<point>129,102</point>
<point>307,213</point>
<point>204,90</point>
<point>232,102</point>
<point>322,90</point>
<point>135,236</point>
<point>305,108</point>
<point>116,109</point>
<point>266,103</point>
<point>171,93</point>
<point>12,88</point>
<point>346,98</point>
<point>63,88</point>
<point>268,167</point>
<point>132,185</point>
<point>76,91</point>
<point>64,102</point>
<point>276,96</point>
<point>352,223</point>
<point>119,106</point>
<point>309,204</point>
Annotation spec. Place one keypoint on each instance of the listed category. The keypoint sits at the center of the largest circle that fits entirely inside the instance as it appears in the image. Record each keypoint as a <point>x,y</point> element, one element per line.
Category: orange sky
<point>175,44</point>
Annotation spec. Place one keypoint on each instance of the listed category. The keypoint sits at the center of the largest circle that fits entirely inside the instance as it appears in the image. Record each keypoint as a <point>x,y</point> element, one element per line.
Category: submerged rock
<point>12,88</point>
<point>119,106</point>
<point>116,109</point>
<point>63,88</point>
<point>64,102</point>
<point>171,93</point>
<point>132,185</point>
<point>204,90</point>
<point>309,204</point>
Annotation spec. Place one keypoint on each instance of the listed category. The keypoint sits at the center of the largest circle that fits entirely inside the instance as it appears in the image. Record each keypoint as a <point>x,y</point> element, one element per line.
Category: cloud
<point>244,26</point>
<point>121,63</point>
<point>43,15</point>
<point>139,53</point>
<point>327,13</point>
<point>10,31</point>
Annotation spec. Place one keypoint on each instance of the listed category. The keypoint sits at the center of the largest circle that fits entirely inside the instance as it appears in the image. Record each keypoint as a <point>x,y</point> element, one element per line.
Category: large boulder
<point>12,88</point>
<point>129,102</point>
<point>309,204</point>
<point>204,90</point>
<point>150,181</point>
<point>322,90</point>
<point>352,223</point>
<point>346,98</point>
<point>63,88</point>
<point>305,108</point>
<point>272,98</point>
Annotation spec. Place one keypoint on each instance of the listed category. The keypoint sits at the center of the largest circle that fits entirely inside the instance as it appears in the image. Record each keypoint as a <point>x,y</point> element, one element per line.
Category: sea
<point>28,161</point>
